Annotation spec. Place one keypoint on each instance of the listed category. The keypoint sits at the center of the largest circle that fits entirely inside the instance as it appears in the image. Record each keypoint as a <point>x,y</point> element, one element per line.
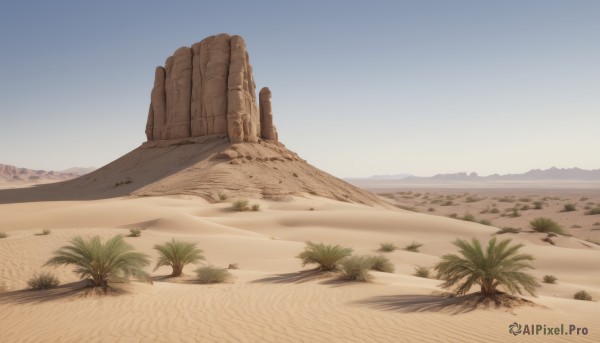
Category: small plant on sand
<point>507,230</point>
<point>495,210</point>
<point>582,295</point>
<point>177,254</point>
<point>43,280</point>
<point>256,207</point>
<point>468,217</point>
<point>326,256</point>
<point>569,208</point>
<point>3,235</point>
<point>135,232</point>
<point>101,261</point>
<point>593,211</point>
<point>382,264</point>
<point>212,274</point>
<point>544,224</point>
<point>240,205</point>
<point>357,267</point>
<point>538,205</point>
<point>44,232</point>
<point>549,279</point>
<point>448,203</point>
<point>485,222</point>
<point>515,213</point>
<point>387,247</point>
<point>222,196</point>
<point>413,247</point>
<point>421,272</point>
<point>500,264</point>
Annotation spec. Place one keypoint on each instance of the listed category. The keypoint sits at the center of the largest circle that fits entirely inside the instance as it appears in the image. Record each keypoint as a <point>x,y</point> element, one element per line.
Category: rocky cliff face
<point>208,89</point>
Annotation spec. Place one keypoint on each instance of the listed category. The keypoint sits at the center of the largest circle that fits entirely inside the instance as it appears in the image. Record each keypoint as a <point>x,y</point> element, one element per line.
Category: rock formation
<point>206,90</point>
<point>268,130</point>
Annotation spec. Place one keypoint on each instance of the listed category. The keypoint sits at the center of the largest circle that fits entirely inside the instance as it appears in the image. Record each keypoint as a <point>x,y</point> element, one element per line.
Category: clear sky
<point>359,87</point>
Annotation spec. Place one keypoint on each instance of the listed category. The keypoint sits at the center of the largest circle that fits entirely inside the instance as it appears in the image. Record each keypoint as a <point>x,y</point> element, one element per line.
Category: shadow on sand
<point>301,277</point>
<point>80,289</point>
<point>425,303</point>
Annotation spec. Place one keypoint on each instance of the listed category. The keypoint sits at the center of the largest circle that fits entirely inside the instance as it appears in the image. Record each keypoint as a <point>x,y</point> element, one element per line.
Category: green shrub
<point>544,224</point>
<point>582,295</point>
<point>177,254</point>
<point>507,230</point>
<point>326,257</point>
<point>413,247</point>
<point>569,208</point>
<point>515,213</point>
<point>256,207</point>
<point>222,196</point>
<point>499,264</point>
<point>387,247</point>
<point>382,264</point>
<point>549,279</point>
<point>240,205</point>
<point>43,280</point>
<point>421,272</point>
<point>101,261</point>
<point>357,267</point>
<point>212,274</point>
<point>135,232</point>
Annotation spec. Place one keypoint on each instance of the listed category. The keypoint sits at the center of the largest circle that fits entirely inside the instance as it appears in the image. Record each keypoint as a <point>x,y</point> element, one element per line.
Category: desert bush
<point>549,279</point>
<point>538,205</point>
<point>3,235</point>
<point>222,196</point>
<point>101,261</point>
<point>382,264</point>
<point>468,217</point>
<point>525,207</point>
<point>135,232</point>
<point>43,280</point>
<point>544,224</point>
<point>448,203</point>
<point>177,254</point>
<point>593,211</point>
<point>387,247</point>
<point>357,267</point>
<point>421,272</point>
<point>44,232</point>
<point>569,207</point>
<point>326,257</point>
<point>240,205</point>
<point>499,265</point>
<point>507,230</point>
<point>212,274</point>
<point>256,207</point>
<point>506,199</point>
<point>414,247</point>
<point>453,215</point>
<point>495,210</point>
<point>582,295</point>
<point>485,222</point>
<point>473,199</point>
<point>515,213</point>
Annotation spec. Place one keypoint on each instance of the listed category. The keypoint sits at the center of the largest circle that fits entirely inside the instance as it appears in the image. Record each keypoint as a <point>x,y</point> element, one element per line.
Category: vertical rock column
<point>235,90</point>
<point>179,91</point>
<point>268,130</point>
<point>158,103</point>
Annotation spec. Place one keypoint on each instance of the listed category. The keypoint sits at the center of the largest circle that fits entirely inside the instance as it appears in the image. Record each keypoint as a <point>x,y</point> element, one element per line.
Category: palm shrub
<point>544,224</point>
<point>212,274</point>
<point>101,261</point>
<point>500,264</point>
<point>326,256</point>
<point>43,280</point>
<point>177,254</point>
<point>387,247</point>
<point>357,267</point>
<point>414,247</point>
<point>382,264</point>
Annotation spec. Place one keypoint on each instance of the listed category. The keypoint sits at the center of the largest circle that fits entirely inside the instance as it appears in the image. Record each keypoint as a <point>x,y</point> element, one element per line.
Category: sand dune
<point>271,298</point>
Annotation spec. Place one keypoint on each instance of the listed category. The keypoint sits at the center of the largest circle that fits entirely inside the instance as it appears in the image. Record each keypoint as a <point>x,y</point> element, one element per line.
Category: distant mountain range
<point>576,174</point>
<point>14,174</point>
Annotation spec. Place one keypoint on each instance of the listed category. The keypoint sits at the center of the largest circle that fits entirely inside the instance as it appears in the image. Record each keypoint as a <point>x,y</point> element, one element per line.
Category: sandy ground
<point>271,298</point>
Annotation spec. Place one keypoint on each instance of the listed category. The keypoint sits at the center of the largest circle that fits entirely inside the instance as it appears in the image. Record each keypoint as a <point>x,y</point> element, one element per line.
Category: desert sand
<point>271,298</point>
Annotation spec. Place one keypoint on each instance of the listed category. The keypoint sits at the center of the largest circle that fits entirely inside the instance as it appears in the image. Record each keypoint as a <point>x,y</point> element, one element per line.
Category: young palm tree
<point>326,256</point>
<point>101,261</point>
<point>177,254</point>
<point>499,265</point>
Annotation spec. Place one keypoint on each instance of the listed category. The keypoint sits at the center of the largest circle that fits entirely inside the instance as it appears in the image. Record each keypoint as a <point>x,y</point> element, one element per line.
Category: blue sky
<point>359,88</point>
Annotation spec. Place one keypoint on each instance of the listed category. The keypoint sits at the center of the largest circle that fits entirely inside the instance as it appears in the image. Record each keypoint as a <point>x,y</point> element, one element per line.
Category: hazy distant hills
<point>10,173</point>
<point>575,174</point>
